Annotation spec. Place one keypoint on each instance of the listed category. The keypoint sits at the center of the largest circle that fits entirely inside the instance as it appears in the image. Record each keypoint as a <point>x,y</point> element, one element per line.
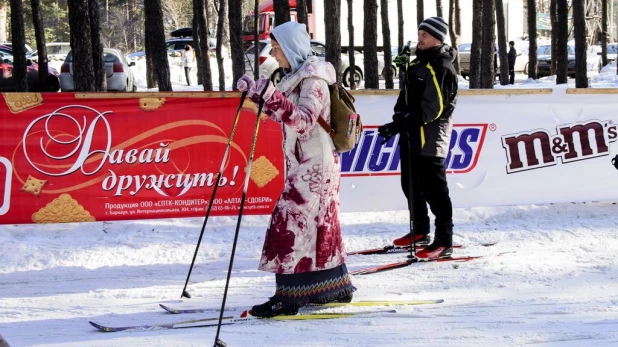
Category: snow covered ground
<point>551,279</point>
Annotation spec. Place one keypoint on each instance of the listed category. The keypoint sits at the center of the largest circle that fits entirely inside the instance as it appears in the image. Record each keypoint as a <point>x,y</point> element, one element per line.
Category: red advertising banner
<point>68,157</point>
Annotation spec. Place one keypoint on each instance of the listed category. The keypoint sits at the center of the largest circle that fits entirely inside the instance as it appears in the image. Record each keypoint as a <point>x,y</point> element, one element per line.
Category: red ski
<point>392,266</point>
<point>390,249</point>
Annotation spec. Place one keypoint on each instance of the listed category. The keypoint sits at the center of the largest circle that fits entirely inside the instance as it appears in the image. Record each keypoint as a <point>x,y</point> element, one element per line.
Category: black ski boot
<point>273,308</point>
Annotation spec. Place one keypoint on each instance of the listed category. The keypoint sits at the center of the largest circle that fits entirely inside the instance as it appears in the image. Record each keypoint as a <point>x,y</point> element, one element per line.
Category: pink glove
<point>245,83</point>
<point>256,89</point>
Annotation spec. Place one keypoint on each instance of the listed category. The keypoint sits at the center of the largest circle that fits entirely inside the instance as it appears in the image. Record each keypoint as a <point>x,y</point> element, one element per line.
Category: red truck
<point>266,21</point>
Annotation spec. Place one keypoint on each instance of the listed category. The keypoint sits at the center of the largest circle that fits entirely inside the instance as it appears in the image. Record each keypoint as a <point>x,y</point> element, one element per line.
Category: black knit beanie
<point>436,27</point>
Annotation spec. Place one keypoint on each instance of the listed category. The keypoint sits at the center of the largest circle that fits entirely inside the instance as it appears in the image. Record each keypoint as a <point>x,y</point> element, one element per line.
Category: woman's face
<point>277,53</point>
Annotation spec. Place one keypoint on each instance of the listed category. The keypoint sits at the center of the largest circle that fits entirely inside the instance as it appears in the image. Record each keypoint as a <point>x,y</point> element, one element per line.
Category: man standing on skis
<point>424,119</point>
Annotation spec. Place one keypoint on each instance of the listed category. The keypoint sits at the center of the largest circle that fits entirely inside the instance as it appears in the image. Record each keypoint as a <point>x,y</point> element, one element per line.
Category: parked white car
<point>118,74</point>
<point>56,51</point>
<point>270,67</point>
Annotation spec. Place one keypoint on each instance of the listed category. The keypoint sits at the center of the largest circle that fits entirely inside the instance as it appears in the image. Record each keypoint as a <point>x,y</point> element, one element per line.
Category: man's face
<point>426,41</point>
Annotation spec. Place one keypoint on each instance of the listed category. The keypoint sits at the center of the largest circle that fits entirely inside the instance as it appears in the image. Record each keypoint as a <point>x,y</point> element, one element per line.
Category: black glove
<point>388,130</point>
<point>398,117</point>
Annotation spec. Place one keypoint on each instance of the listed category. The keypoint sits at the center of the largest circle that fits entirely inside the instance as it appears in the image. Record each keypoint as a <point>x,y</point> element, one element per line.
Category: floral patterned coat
<point>304,233</point>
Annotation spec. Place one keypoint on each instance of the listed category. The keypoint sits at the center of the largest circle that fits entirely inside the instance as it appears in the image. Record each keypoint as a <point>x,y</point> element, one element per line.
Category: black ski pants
<point>429,187</point>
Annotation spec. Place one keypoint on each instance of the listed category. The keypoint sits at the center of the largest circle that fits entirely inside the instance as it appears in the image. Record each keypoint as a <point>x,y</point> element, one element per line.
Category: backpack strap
<point>326,126</point>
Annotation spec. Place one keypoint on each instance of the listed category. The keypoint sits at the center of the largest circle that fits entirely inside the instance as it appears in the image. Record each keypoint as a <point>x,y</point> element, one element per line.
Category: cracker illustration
<point>263,171</point>
<point>248,105</point>
<point>18,102</point>
<point>63,209</point>
<point>151,104</point>
<point>33,186</point>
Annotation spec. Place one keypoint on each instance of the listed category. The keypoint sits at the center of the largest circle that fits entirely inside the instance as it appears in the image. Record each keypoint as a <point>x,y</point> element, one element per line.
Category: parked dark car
<point>543,56</point>
<point>7,82</point>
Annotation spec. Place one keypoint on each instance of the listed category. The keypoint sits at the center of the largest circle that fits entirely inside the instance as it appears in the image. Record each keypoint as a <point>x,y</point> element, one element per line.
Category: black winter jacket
<point>512,56</point>
<point>428,100</point>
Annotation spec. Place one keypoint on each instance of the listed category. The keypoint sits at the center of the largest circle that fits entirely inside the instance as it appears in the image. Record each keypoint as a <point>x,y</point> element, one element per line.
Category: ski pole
<point>214,192</point>
<point>242,205</point>
<point>411,199</point>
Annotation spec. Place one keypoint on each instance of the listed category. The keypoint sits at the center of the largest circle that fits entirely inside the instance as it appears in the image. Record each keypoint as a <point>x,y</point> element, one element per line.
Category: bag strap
<point>326,126</point>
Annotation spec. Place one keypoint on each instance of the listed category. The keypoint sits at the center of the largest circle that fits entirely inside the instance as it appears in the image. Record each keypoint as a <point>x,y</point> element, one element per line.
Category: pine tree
<point>386,38</point>
<point>332,24</point>
<point>81,46</point>
<point>477,44</point>
<point>579,34</point>
<point>157,51</point>
<point>236,44</point>
<point>282,11</point>
<point>488,47</point>
<point>39,32</point>
<point>502,48</point>
<point>370,42</point>
<point>532,46</point>
<point>562,37</point>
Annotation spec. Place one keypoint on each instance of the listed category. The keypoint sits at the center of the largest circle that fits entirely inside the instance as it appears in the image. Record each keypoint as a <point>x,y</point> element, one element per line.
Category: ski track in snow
<point>551,280</point>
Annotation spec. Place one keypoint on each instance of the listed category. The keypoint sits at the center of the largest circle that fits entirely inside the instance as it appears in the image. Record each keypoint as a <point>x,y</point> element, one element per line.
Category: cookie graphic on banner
<point>33,186</point>
<point>151,104</point>
<point>63,209</point>
<point>263,171</point>
<point>18,102</point>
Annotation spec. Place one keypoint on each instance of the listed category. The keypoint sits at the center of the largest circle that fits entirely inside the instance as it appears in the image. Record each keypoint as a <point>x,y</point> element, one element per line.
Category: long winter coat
<point>304,233</point>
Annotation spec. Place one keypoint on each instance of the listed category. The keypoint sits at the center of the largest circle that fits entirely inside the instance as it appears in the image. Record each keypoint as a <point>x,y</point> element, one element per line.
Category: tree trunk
<point>236,45</point>
<point>477,44</point>
<point>454,23</point>
<point>256,41</point>
<point>488,59</point>
<point>18,41</point>
<point>532,46</point>
<point>301,12</point>
<point>386,38</point>
<point>200,44</point>
<point>98,62</point>
<point>351,40</point>
<point>562,37</point>
<point>219,44</point>
<point>226,30</point>
<point>604,34</point>
<point>39,33</point>
<point>81,46</point>
<point>400,40</point>
<point>135,24</point>
<point>400,21</point>
<point>420,12</point>
<point>370,42</point>
<point>3,13</point>
<point>502,48</point>
<point>553,17</point>
<point>151,77</point>
<point>579,34</point>
<point>439,8</point>
<point>332,25</point>
<point>282,11</point>
<point>154,27</point>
